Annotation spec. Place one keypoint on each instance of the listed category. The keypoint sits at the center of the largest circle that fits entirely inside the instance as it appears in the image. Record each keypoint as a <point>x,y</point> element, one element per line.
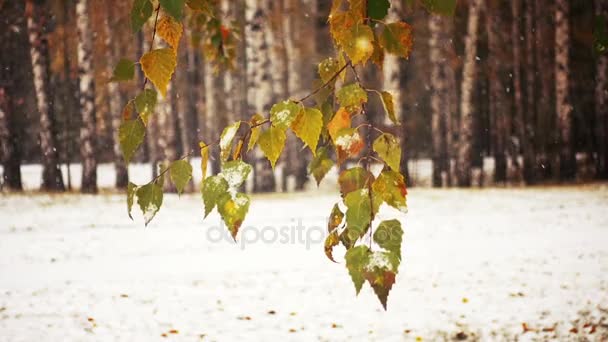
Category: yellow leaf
<point>272,142</point>
<point>358,43</point>
<point>256,119</point>
<point>307,127</point>
<point>170,30</point>
<point>340,120</point>
<point>158,66</point>
<point>204,158</point>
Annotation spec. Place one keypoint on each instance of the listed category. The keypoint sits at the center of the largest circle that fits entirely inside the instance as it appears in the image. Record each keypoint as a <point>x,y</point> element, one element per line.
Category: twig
<point>318,89</point>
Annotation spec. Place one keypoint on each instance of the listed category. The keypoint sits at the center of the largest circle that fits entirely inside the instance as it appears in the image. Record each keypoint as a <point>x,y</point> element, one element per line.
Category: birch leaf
<point>331,241</point>
<point>388,149</point>
<point>212,189</point>
<point>140,13</point>
<point>396,38</point>
<point>378,9</point>
<point>335,218</point>
<point>390,188</point>
<point>130,135</point>
<point>174,7</point>
<point>351,95</point>
<point>357,259</point>
<point>170,30</point>
<point>235,173</point>
<point>354,179</point>
<point>358,213</point>
<point>380,273</point>
<point>340,121</point>
<point>158,66</point>
<point>320,164</point>
<point>233,211</point>
<point>180,173</point>
<point>284,113</point>
<point>389,106</point>
<point>388,235</point>
<point>145,103</point>
<point>359,43</point>
<point>272,142</point>
<point>348,144</point>
<point>124,70</point>
<point>226,138</point>
<point>204,158</point>
<point>150,199</point>
<point>307,127</point>
<point>255,131</point>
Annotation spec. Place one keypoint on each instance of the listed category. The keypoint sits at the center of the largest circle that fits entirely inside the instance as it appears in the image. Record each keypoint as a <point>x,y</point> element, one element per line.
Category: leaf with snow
<point>388,149</point>
<point>140,13</point>
<point>180,173</point>
<point>170,30</point>
<point>233,210</point>
<point>130,135</point>
<point>358,43</point>
<point>212,189</point>
<point>351,95</point>
<point>284,113</point>
<point>272,142</point>
<point>389,236</point>
<point>354,179</point>
<point>158,66</point>
<point>357,259</point>
<point>380,273</point>
<point>235,172</point>
<point>307,127</point>
<point>150,199</point>
<point>390,188</point>
<point>226,138</point>
<point>124,70</point>
<point>348,144</point>
<point>131,189</point>
<point>396,38</point>
<point>145,103</point>
<point>358,213</point>
<point>320,164</point>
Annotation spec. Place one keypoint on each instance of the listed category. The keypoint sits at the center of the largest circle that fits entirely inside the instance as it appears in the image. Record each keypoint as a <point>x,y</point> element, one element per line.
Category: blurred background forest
<point>535,69</point>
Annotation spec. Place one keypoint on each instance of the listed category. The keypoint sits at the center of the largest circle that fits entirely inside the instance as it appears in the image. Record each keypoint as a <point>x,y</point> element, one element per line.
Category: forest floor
<point>492,264</point>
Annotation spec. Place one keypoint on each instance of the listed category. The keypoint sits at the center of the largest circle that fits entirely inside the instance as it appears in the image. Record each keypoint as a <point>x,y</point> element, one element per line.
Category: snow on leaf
<point>158,66</point>
<point>131,189</point>
<point>358,213</point>
<point>356,260</point>
<point>388,149</point>
<point>348,144</point>
<point>320,164</point>
<point>307,127</point>
<point>180,173</point>
<point>150,199</point>
<point>389,236</point>
<point>124,70</point>
<point>140,13</point>
<point>235,173</point>
<point>359,43</point>
<point>226,139</point>
<point>396,38</point>
<point>284,113</point>
<point>170,30</point>
<point>354,179</point>
<point>145,103</point>
<point>130,135</point>
<point>212,189</point>
<point>351,95</point>
<point>233,210</point>
<point>380,272</point>
<point>272,142</point>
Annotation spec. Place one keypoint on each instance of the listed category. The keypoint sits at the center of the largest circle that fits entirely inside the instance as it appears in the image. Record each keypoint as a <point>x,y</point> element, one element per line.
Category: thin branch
<point>319,88</point>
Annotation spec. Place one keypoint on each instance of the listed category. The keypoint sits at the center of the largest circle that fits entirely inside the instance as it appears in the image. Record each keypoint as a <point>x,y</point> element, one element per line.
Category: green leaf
<point>357,259</point>
<point>388,149</point>
<point>389,106</point>
<point>212,189</point>
<point>396,38</point>
<point>444,7</point>
<point>358,213</point>
<point>130,135</point>
<point>181,173</point>
<point>328,69</point>
<point>233,211</point>
<point>378,9</point>
<point>226,138</point>
<point>335,218</point>
<point>272,142</point>
<point>359,43</point>
<point>140,13</point>
<point>174,7</point>
<point>388,235</point>
<point>320,164</point>
<point>307,127</point>
<point>158,66</point>
<point>354,179</point>
<point>284,113</point>
<point>380,272</point>
<point>235,173</point>
<point>124,70</point>
<point>351,95</point>
<point>150,199</point>
<point>131,189</point>
<point>390,188</point>
<point>331,241</point>
<point>145,103</point>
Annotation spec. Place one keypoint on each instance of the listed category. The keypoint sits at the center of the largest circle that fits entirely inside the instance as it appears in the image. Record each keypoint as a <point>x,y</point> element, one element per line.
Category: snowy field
<point>493,264</point>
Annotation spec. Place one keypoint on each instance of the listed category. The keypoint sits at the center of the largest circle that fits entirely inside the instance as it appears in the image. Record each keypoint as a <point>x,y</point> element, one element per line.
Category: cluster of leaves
<point>324,125</point>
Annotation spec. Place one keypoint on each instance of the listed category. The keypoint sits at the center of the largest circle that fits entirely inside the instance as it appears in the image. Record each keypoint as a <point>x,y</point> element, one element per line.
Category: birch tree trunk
<point>528,140</point>
<point>37,17</point>
<point>601,101</point>
<point>517,85</point>
<point>497,92</point>
<point>9,150</point>
<point>463,165</point>
<point>86,98</point>
<point>563,107</point>
<point>114,102</point>
<point>215,112</point>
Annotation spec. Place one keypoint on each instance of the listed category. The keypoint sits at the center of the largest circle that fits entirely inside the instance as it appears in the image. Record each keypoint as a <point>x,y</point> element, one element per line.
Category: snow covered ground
<point>478,264</point>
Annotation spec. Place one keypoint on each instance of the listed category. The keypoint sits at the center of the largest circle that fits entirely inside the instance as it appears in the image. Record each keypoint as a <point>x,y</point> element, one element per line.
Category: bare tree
<point>86,98</point>
<point>37,18</point>
<point>463,165</point>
